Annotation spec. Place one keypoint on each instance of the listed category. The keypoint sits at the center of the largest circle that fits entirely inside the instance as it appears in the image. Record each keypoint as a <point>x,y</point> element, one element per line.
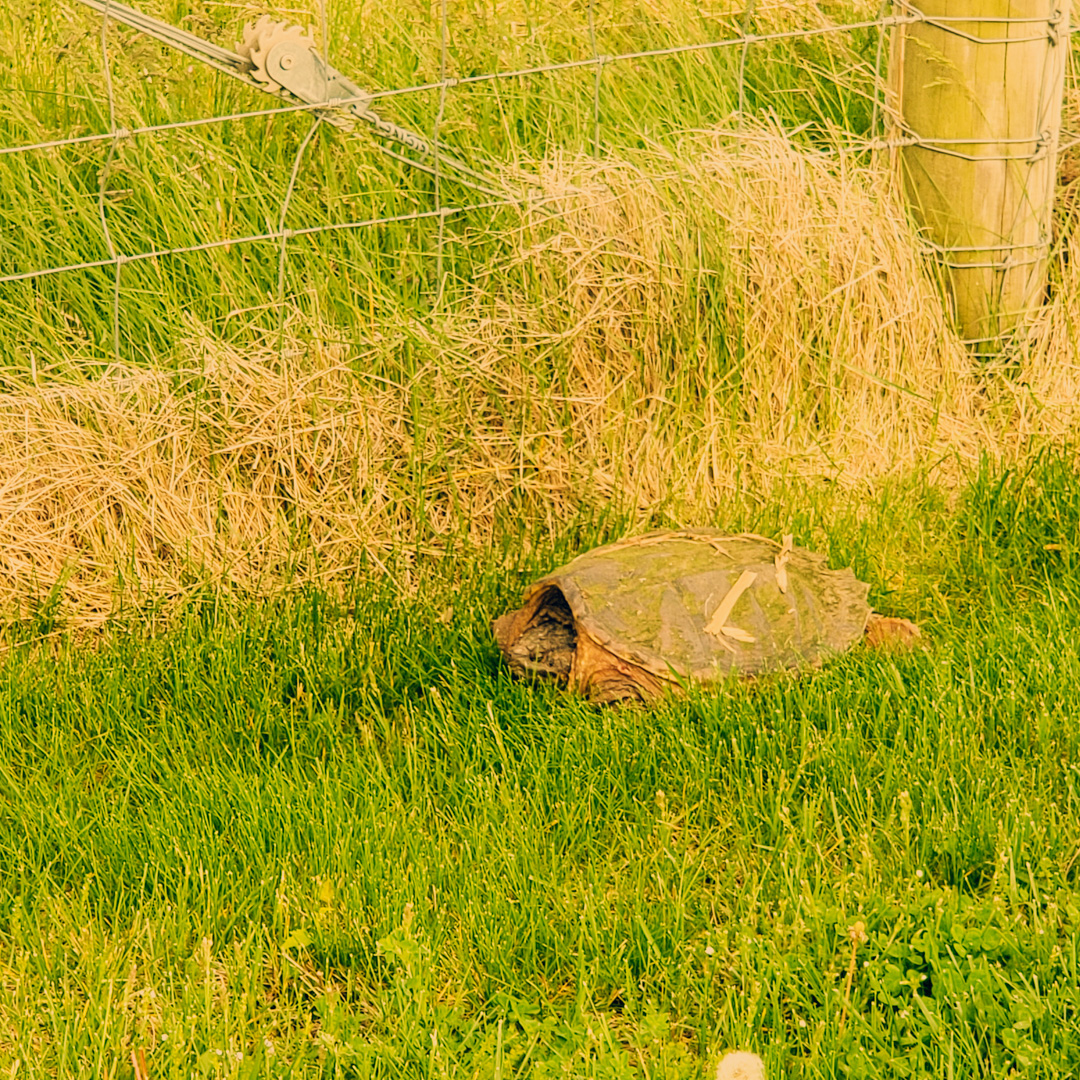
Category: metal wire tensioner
<point>281,59</point>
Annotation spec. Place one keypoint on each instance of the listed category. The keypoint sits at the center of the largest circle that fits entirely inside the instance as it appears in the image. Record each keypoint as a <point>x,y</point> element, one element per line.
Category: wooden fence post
<point>979,84</point>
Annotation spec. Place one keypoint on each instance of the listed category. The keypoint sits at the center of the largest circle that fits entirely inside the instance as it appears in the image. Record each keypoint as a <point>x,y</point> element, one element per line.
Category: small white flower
<point>741,1065</point>
<point>710,951</point>
<point>918,874</point>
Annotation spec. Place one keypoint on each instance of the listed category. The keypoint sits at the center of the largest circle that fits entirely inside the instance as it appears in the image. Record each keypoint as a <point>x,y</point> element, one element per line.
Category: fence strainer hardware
<point>281,59</point>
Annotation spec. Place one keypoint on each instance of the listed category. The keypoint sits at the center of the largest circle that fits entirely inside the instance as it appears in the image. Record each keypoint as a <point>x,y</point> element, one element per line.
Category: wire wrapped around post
<point>976,94</point>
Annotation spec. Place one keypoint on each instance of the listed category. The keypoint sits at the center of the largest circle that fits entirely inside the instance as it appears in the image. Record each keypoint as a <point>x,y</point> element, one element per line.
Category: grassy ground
<point>295,839</point>
<point>282,812</point>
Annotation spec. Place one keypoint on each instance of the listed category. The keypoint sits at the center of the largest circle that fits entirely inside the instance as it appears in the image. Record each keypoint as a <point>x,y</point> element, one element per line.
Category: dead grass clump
<point>681,328</point>
<point>133,480</point>
<point>740,308</point>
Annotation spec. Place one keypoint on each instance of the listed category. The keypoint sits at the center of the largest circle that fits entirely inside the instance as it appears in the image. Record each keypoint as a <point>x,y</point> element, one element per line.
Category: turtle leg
<point>605,678</point>
<point>890,633</point>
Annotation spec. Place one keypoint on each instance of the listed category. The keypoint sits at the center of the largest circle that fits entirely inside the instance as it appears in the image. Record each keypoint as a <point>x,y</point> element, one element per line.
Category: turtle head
<point>539,640</point>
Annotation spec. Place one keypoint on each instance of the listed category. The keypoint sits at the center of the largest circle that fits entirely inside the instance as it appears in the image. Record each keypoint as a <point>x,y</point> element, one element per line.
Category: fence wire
<point>892,14</point>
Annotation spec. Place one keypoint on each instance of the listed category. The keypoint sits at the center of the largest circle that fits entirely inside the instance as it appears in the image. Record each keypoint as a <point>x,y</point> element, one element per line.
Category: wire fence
<point>886,131</point>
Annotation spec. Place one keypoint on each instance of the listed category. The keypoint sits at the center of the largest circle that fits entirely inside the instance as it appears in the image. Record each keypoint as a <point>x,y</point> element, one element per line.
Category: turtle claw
<point>883,632</point>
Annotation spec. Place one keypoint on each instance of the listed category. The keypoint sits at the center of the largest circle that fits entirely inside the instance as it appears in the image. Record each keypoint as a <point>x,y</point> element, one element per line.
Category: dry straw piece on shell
<point>681,325</point>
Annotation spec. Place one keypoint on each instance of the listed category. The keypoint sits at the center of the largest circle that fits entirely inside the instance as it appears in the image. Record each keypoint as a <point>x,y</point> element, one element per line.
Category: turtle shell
<point>631,618</point>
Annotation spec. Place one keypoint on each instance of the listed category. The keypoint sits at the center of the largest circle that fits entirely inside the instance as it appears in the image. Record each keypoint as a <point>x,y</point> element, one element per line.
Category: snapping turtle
<point>631,619</point>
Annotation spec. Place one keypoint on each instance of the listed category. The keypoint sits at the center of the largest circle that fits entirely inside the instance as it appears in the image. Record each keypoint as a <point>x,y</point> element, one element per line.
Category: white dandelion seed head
<point>741,1065</point>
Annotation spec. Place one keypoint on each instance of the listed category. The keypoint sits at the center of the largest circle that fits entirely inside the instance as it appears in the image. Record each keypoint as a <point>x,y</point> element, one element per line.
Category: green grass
<point>197,185</point>
<point>338,840</point>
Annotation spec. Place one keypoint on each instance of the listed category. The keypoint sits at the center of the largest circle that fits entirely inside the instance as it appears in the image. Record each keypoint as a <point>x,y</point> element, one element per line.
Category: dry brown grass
<point>685,326</point>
